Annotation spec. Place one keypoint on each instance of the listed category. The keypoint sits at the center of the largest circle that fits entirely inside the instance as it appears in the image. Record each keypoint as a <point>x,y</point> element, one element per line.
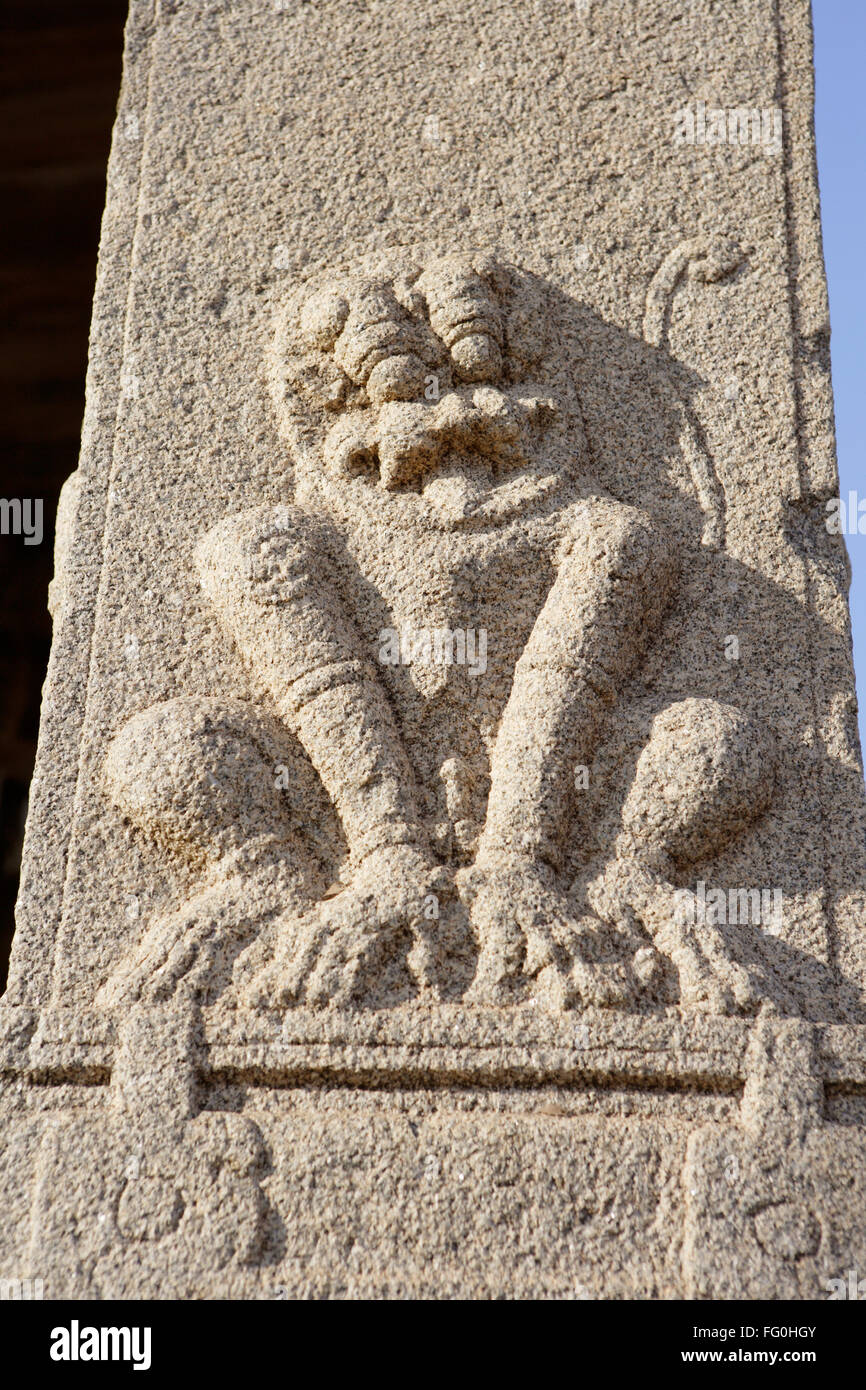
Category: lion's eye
<point>477,357</point>
<point>401,377</point>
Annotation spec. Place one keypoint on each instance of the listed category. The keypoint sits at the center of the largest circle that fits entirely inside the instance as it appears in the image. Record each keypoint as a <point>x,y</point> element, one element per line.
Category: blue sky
<point>840,120</point>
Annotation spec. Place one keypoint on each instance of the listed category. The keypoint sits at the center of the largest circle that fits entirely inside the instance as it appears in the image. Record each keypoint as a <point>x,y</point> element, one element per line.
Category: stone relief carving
<point>443,489</point>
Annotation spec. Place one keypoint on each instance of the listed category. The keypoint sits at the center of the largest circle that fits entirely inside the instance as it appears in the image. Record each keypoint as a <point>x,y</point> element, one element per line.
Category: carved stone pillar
<point>445,868</point>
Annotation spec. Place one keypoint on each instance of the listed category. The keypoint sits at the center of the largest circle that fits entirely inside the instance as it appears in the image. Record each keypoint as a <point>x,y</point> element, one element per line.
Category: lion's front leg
<point>614,578</point>
<point>270,577</point>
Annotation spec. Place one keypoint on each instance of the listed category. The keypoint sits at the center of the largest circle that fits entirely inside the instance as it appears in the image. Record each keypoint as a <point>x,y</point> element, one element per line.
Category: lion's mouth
<point>478,435</point>
<point>465,492</point>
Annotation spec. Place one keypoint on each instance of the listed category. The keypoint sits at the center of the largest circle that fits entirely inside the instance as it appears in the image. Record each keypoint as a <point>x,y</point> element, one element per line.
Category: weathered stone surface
<point>445,868</point>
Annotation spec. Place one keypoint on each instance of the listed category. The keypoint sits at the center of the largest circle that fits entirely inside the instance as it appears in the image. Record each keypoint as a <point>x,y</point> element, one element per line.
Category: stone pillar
<point>445,870</point>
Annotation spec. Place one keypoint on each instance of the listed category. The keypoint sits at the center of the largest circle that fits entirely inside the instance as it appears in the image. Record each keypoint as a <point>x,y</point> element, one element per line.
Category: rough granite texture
<point>445,869</point>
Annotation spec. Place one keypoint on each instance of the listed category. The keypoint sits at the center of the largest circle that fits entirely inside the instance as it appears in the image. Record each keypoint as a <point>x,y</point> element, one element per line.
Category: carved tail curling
<point>709,259</point>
